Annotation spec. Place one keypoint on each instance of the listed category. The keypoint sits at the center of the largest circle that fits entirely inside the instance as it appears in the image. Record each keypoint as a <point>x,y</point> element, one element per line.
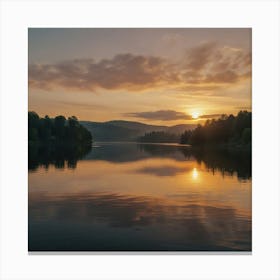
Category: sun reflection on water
<point>194,173</point>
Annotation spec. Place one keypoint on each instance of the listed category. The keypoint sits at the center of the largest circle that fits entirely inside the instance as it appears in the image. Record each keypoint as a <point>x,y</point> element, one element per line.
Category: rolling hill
<point>120,130</point>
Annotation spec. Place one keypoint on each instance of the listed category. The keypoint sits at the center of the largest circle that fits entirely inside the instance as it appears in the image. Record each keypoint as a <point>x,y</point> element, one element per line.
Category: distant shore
<point>218,147</point>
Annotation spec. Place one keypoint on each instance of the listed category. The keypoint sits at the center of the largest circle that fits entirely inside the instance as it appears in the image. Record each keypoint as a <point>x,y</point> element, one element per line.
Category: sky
<point>161,76</point>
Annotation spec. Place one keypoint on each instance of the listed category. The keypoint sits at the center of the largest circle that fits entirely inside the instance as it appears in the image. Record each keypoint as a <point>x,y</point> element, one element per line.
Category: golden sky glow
<point>156,76</point>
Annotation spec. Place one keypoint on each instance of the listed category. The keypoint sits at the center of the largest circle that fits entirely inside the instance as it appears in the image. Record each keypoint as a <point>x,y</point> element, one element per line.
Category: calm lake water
<point>140,197</point>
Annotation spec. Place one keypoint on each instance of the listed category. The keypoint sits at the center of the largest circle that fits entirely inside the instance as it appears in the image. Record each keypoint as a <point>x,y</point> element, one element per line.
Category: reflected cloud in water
<point>165,170</point>
<point>134,223</point>
<point>130,197</point>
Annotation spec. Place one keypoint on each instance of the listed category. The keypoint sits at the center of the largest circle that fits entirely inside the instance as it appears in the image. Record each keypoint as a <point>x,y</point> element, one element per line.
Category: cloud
<point>197,57</point>
<point>211,65</point>
<point>198,88</point>
<point>124,71</point>
<point>84,105</point>
<point>223,77</point>
<point>204,67</point>
<point>162,115</point>
<point>212,116</point>
<point>244,108</point>
<point>168,115</point>
<point>165,170</point>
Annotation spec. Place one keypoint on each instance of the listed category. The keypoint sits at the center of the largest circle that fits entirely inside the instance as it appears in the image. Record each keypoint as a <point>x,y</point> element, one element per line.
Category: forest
<point>159,137</point>
<point>228,129</point>
<point>56,131</point>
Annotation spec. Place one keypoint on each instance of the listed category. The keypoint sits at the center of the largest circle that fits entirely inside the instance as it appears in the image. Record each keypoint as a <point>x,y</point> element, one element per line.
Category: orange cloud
<point>162,115</point>
<point>211,116</point>
<point>168,115</point>
<point>202,67</point>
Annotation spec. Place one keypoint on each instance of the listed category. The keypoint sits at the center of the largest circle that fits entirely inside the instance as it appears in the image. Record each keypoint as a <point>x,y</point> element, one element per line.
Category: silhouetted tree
<point>159,137</point>
<point>59,126</point>
<point>225,130</point>
<point>58,130</point>
<point>52,141</point>
<point>246,135</point>
<point>186,137</point>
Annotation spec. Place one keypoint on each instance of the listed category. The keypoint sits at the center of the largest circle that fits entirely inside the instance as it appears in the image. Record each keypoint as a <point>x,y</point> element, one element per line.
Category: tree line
<point>159,137</point>
<point>58,130</point>
<point>228,129</point>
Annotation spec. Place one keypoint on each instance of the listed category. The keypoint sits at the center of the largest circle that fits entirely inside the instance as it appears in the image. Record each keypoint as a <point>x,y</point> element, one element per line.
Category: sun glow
<point>194,174</point>
<point>195,115</point>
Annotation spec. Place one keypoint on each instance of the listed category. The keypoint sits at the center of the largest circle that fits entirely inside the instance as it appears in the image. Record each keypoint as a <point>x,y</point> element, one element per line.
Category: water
<point>140,197</point>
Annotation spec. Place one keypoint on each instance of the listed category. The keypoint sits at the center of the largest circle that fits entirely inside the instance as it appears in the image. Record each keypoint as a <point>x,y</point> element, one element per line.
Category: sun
<point>195,115</point>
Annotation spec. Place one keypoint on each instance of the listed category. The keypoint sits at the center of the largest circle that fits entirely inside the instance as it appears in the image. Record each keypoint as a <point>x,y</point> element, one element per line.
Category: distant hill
<point>136,125</point>
<point>180,128</point>
<point>120,130</point>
